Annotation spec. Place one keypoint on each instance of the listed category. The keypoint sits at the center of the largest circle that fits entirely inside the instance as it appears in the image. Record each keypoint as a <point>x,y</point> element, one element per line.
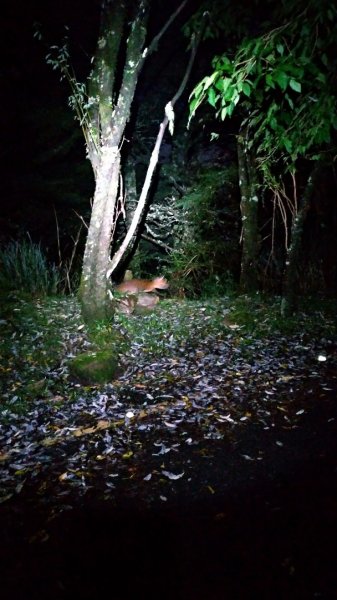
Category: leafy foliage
<point>205,259</point>
<point>284,82</point>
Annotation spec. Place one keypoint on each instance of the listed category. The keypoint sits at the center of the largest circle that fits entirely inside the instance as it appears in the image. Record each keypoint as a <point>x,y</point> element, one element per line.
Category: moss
<point>106,336</point>
<point>92,368</point>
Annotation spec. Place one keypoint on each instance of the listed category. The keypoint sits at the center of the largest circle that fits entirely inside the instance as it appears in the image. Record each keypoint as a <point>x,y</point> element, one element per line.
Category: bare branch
<point>151,168</point>
<point>156,242</point>
<point>153,46</point>
<point>81,219</point>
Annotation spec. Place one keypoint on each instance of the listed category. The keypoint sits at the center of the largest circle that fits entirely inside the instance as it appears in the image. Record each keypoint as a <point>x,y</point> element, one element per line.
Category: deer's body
<point>134,286</point>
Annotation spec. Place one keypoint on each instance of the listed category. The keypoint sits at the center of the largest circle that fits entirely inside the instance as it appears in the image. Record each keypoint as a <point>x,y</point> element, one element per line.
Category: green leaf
<point>194,104</point>
<point>257,47</point>
<point>282,79</point>
<point>229,93</point>
<point>288,144</point>
<point>224,64</point>
<point>272,109</point>
<point>230,109</point>
<point>208,81</point>
<point>219,85</point>
<point>324,134</point>
<point>289,100</point>
<point>295,85</point>
<point>198,89</point>
<point>226,81</point>
<point>223,113</point>
<point>212,96</point>
<point>236,97</point>
<point>255,121</point>
<point>321,77</point>
<point>280,48</point>
<point>246,89</point>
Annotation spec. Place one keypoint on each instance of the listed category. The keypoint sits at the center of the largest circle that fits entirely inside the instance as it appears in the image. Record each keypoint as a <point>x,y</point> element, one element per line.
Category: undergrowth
<point>24,267</point>
<point>38,336</point>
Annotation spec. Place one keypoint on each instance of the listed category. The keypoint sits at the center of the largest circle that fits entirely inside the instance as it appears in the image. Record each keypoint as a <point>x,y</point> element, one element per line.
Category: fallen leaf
<point>173,475</point>
<point>127,454</point>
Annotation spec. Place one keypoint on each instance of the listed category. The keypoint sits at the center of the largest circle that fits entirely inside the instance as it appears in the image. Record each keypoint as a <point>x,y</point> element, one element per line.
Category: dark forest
<point>168,293</point>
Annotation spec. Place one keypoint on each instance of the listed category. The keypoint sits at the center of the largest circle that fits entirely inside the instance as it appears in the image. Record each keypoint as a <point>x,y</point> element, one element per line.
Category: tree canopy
<point>283,82</point>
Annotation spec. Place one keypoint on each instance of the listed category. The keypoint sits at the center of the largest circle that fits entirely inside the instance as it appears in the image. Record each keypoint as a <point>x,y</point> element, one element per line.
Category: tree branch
<point>153,45</point>
<point>151,168</point>
<point>158,243</point>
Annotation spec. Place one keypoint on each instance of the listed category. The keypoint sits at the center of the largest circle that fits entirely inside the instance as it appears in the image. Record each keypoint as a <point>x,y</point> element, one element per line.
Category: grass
<point>25,268</point>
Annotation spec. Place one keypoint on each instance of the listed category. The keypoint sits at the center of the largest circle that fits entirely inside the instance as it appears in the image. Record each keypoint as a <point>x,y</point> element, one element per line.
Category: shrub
<point>206,257</point>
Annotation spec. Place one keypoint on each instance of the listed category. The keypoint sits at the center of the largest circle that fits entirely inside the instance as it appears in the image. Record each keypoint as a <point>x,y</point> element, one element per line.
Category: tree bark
<point>249,217</point>
<point>94,286</point>
<point>107,113</point>
<point>290,294</point>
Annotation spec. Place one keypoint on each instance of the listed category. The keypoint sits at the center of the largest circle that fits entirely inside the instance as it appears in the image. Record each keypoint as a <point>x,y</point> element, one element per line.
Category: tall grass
<point>24,267</point>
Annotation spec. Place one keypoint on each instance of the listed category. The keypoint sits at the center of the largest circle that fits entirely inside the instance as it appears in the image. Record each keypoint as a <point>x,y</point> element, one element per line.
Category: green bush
<point>24,267</point>
<point>206,257</point>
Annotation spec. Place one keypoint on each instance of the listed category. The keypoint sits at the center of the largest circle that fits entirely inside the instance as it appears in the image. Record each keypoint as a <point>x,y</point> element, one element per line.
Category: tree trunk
<point>290,281</point>
<point>104,135</point>
<point>249,217</point>
<point>94,283</point>
<point>131,203</point>
<point>104,123</point>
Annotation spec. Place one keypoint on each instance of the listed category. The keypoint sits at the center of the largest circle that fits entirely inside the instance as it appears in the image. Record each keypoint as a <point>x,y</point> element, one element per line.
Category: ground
<point>206,470</point>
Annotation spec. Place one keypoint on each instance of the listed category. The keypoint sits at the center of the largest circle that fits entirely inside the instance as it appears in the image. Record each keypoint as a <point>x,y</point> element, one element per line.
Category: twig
<point>58,237</point>
<point>81,219</point>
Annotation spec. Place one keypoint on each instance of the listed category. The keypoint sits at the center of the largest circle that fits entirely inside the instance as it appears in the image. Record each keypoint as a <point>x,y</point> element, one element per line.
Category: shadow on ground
<point>268,533</point>
<point>275,540</point>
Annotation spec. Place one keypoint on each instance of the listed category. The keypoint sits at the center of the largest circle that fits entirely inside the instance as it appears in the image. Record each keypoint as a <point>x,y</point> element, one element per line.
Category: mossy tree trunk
<point>249,216</point>
<point>108,114</point>
<point>122,37</point>
<point>94,283</point>
<point>293,260</point>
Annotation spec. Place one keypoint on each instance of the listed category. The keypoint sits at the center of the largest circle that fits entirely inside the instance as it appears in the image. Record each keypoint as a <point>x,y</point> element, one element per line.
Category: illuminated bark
<point>122,34</point>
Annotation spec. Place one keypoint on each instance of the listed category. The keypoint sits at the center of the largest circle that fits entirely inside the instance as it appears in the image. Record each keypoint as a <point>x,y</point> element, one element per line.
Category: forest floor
<point>208,469</point>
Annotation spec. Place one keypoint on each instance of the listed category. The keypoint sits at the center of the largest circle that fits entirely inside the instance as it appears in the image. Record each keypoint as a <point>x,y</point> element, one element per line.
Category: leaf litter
<point>206,402</point>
